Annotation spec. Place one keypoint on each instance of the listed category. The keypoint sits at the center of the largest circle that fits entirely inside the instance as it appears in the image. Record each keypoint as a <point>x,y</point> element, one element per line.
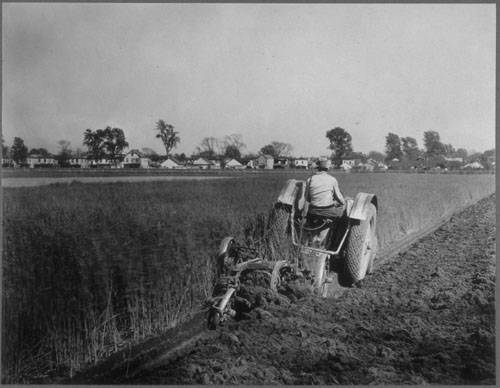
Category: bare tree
<point>65,152</point>
<point>78,153</point>
<point>277,149</point>
<point>208,147</point>
<point>150,153</point>
<point>229,146</point>
<point>282,149</point>
<point>235,143</point>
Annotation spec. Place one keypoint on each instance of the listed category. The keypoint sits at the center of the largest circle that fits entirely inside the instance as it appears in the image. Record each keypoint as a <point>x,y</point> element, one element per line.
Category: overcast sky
<point>270,72</point>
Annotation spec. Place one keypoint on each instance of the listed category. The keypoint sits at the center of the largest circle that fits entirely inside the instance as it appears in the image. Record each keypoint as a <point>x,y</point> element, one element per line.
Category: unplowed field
<point>425,317</point>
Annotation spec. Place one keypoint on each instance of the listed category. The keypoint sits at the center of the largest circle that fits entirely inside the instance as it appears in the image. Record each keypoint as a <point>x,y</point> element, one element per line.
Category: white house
<point>202,163</point>
<point>216,164</point>
<point>301,163</point>
<point>172,163</point>
<point>351,162</point>
<point>281,163</point>
<point>41,161</point>
<point>7,162</point>
<point>474,166</point>
<point>372,165</point>
<point>253,164</point>
<point>135,159</point>
<point>368,166</point>
<point>346,166</point>
<point>101,163</point>
<point>458,160</point>
<point>234,164</point>
<point>265,161</point>
<point>81,162</point>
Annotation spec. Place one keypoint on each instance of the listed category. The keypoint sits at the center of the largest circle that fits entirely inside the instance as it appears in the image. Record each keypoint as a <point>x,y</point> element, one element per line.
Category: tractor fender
<point>293,194</point>
<point>224,246</point>
<point>359,209</point>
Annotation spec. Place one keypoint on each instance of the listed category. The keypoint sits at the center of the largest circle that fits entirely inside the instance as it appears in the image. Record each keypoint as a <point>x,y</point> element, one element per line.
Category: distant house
<point>301,163</point>
<point>458,160</point>
<point>233,164</point>
<point>368,166</point>
<point>202,163</point>
<point>351,162</point>
<point>101,163</point>
<point>474,166</point>
<point>172,163</point>
<point>281,163</point>
<point>371,165</point>
<point>265,161</point>
<point>135,159</point>
<point>41,161</point>
<point>79,162</point>
<point>345,167</point>
<point>216,164</point>
<point>312,163</point>
<point>8,162</point>
<point>253,164</point>
<point>453,163</point>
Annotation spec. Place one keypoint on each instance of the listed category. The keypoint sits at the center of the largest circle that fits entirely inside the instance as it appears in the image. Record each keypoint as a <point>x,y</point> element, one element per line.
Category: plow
<point>311,251</point>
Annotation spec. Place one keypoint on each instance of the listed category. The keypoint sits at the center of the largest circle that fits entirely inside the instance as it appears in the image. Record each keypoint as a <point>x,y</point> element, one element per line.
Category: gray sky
<point>283,72</point>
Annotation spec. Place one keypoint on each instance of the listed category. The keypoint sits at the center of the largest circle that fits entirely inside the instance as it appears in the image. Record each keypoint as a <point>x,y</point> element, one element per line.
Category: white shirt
<point>324,190</point>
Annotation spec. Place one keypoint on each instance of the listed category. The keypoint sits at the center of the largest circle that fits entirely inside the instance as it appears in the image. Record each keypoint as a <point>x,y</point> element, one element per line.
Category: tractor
<point>317,250</point>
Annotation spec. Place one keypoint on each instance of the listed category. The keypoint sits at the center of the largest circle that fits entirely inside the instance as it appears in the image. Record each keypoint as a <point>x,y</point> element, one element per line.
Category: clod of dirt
<point>296,290</point>
<point>263,314</point>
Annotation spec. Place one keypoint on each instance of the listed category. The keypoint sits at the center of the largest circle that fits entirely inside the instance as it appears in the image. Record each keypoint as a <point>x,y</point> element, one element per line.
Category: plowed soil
<point>425,317</point>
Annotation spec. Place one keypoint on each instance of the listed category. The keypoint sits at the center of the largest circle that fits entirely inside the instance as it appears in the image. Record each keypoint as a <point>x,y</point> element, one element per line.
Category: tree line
<point>403,152</point>
<point>110,143</point>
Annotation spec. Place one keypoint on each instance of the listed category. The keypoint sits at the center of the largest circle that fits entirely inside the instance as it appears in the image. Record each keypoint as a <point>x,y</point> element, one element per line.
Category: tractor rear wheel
<point>361,250</point>
<point>278,240</point>
<point>279,219</point>
<point>371,265</point>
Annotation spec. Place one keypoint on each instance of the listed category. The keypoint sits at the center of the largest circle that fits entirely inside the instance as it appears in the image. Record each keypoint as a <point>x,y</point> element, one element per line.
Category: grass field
<point>88,267</point>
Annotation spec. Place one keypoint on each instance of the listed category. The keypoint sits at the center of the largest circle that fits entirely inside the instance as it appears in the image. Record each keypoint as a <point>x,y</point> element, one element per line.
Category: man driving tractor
<point>337,237</point>
<point>324,196</point>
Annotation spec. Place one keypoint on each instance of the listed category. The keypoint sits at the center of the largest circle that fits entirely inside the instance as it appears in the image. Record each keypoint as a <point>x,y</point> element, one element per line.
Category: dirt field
<point>426,317</point>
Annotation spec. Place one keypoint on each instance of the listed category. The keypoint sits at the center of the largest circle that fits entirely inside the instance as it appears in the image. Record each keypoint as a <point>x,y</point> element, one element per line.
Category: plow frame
<point>221,307</point>
<point>314,259</point>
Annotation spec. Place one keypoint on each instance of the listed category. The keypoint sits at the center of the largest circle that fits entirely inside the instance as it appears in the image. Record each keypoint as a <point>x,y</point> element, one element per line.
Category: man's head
<point>322,165</point>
